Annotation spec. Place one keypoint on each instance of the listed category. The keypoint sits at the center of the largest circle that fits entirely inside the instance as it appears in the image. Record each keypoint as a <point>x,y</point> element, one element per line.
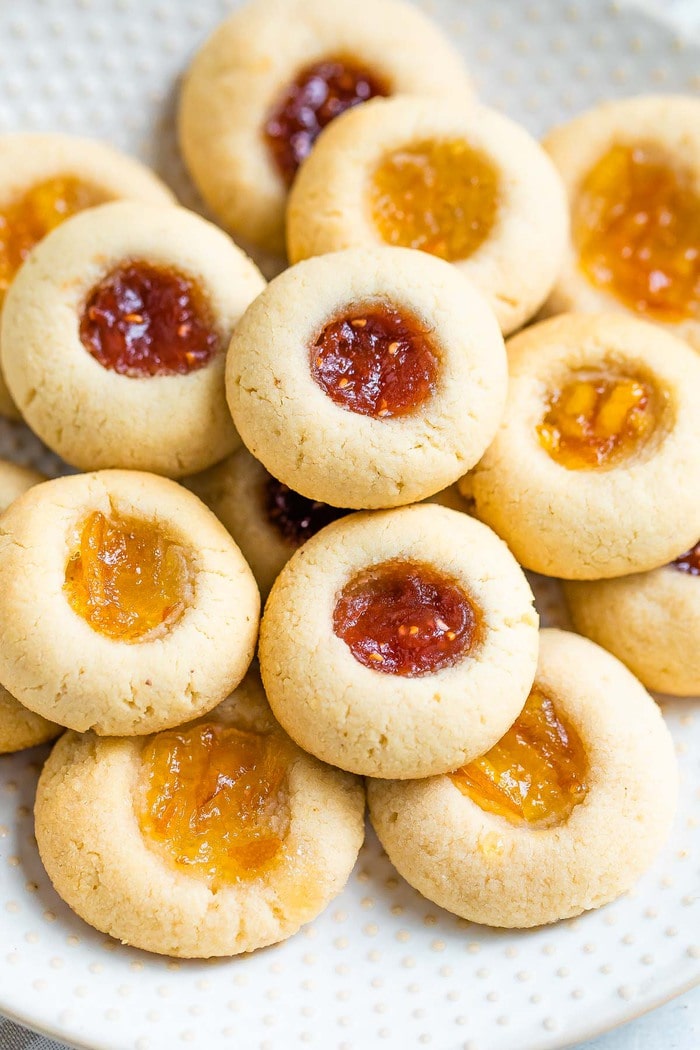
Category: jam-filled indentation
<point>214,799</point>
<point>143,320</point>
<point>296,518</point>
<point>26,220</point>
<point>440,196</point>
<point>536,774</point>
<point>377,361</point>
<point>406,618</point>
<point>636,226</point>
<point>597,419</point>
<point>689,562</point>
<point>126,579</point>
<point>318,94</point>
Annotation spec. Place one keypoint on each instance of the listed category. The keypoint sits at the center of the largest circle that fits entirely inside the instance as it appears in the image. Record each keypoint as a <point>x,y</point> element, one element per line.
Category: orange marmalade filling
<point>27,220</point>
<point>214,799</point>
<point>535,774</point>
<point>636,226</point>
<point>596,419</point>
<point>439,196</point>
<point>125,578</point>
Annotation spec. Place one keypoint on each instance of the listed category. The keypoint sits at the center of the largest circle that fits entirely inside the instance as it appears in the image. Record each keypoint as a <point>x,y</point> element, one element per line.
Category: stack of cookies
<point>360,446</point>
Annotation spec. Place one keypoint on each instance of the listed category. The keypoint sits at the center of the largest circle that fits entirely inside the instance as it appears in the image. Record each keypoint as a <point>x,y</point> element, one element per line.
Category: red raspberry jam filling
<point>319,93</point>
<point>405,618</point>
<point>375,361</point>
<point>145,320</point>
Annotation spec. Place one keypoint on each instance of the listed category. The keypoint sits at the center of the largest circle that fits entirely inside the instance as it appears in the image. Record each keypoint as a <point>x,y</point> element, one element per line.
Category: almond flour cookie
<point>114,336</point>
<point>155,609</point>
<point>399,644</point>
<point>632,173</point>
<point>211,839</point>
<point>463,183</point>
<point>650,621</point>
<point>368,378</point>
<point>595,470</point>
<point>44,179</point>
<point>564,814</point>
<point>267,519</point>
<point>271,78</point>
<point>19,727</point>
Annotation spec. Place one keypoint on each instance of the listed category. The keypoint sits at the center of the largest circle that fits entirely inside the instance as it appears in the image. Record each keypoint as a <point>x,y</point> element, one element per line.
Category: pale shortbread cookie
<point>97,857</point>
<point>89,414</point>
<point>384,724</point>
<point>243,71</point>
<point>486,869</point>
<point>267,519</point>
<point>19,727</point>
<point>330,453</point>
<point>89,680</point>
<point>628,516</point>
<point>669,123</point>
<point>518,262</point>
<point>650,621</point>
<point>30,160</point>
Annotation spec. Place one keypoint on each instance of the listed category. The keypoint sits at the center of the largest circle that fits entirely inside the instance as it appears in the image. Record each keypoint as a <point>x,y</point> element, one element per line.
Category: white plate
<point>382,967</point>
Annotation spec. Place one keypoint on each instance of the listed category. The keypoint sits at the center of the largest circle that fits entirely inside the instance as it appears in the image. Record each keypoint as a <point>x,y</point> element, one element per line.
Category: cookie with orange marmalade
<point>368,378</point>
<point>560,816</point>
<point>154,605</point>
<point>114,338</point>
<point>595,469</point>
<point>649,620</point>
<point>19,727</point>
<point>399,643</point>
<point>47,178</point>
<point>211,839</point>
<point>631,168</point>
<point>465,184</point>
<point>275,74</point>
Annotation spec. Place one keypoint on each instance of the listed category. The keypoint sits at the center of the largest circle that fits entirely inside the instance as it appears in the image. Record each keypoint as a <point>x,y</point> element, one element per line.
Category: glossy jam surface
<point>689,562</point>
<point>375,361</point>
<point>26,221</point>
<point>320,92</point>
<point>405,618</point>
<point>214,799</point>
<point>125,578</point>
<point>536,773</point>
<point>145,320</point>
<point>295,517</point>
<point>636,227</point>
<point>595,420</point>
<point>439,196</point>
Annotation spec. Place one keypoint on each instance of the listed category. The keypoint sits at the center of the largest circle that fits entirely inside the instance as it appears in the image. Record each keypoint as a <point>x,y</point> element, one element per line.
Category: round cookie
<point>198,880</point>
<point>399,644</point>
<point>650,621</point>
<point>631,168</point>
<point>156,609</point>
<point>463,183</point>
<point>595,470</point>
<point>114,336</point>
<point>367,378</point>
<point>267,519</point>
<point>19,727</point>
<point>563,815</point>
<point>275,73</point>
<point>44,179</point>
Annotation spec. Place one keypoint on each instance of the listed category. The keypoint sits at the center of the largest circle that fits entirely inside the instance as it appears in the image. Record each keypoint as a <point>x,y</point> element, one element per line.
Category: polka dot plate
<point>382,967</point>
